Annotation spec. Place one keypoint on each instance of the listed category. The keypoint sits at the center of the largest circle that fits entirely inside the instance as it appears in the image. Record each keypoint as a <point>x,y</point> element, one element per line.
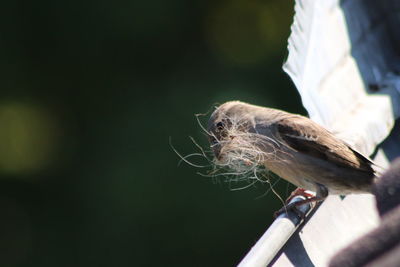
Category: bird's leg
<point>322,193</point>
<point>299,192</point>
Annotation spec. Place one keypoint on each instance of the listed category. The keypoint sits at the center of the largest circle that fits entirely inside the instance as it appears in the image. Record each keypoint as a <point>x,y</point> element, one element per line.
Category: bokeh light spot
<point>246,32</point>
<point>27,138</point>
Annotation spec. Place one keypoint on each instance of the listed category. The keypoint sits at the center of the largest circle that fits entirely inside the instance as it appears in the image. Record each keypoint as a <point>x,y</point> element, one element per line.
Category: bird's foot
<point>299,192</point>
<point>309,198</point>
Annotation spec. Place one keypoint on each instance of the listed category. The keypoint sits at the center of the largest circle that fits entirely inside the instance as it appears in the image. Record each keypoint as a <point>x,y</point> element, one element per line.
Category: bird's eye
<point>220,126</point>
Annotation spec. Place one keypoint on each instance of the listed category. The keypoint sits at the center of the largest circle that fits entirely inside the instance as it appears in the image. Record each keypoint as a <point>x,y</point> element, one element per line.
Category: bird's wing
<point>306,136</point>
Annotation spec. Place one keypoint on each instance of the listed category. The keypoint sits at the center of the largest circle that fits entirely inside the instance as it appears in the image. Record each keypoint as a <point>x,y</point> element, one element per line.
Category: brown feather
<point>317,142</point>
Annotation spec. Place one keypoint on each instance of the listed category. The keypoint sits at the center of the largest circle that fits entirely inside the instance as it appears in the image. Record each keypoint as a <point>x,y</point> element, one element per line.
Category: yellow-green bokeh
<point>246,32</point>
<point>28,138</point>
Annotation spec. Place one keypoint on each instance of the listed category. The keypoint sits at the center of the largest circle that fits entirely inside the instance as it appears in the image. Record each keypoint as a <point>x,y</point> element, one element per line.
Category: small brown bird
<point>244,137</point>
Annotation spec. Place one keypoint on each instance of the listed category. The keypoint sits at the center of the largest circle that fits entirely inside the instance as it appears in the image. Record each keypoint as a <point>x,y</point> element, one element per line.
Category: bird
<point>292,146</point>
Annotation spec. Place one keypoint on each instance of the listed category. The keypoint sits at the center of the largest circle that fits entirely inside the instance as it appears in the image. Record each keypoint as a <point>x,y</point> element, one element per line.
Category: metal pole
<point>264,251</point>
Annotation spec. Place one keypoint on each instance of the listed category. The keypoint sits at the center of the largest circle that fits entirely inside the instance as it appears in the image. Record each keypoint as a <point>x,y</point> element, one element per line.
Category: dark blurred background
<point>90,94</point>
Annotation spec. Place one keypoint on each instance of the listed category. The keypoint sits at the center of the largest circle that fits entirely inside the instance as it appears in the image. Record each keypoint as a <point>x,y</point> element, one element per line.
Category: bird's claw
<point>293,206</point>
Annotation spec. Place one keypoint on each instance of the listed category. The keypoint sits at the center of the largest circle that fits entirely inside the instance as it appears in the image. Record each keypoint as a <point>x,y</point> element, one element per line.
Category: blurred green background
<point>91,92</point>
